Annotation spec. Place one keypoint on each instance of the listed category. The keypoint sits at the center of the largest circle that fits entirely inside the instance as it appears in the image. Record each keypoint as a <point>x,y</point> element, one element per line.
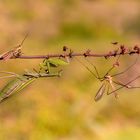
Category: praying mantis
<point>13,52</point>
<point>22,81</point>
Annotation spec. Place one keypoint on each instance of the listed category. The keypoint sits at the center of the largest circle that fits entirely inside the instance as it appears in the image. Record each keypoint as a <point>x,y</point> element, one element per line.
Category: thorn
<point>87,53</point>
<point>123,49</point>
<point>106,57</point>
<point>115,52</point>
<point>131,51</point>
<point>62,56</point>
<point>70,53</point>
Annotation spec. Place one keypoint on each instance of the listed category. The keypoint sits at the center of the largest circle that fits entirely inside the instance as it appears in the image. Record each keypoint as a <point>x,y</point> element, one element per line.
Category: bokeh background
<point>63,108</point>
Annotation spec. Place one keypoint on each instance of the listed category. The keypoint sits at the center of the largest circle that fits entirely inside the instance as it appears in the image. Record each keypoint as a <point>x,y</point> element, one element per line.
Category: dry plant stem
<point>107,55</point>
<point>121,50</point>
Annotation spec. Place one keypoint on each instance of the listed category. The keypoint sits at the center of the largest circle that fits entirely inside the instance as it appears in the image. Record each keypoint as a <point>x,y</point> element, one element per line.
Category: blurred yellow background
<point>63,108</point>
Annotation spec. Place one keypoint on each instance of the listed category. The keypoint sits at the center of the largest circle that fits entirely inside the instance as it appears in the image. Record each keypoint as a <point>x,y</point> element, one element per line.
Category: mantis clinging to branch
<point>21,81</point>
<point>13,52</point>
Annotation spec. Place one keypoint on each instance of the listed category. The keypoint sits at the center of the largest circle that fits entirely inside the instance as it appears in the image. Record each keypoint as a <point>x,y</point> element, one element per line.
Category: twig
<point>122,50</point>
<point>66,55</point>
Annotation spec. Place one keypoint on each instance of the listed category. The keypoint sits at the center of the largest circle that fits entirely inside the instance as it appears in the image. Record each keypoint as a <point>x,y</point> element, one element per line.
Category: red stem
<point>110,54</point>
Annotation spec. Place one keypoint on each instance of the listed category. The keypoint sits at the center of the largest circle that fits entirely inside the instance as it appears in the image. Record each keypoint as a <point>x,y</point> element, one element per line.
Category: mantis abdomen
<point>15,86</point>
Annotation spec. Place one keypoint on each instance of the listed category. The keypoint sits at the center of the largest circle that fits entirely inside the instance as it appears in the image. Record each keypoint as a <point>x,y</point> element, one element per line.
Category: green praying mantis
<point>22,81</point>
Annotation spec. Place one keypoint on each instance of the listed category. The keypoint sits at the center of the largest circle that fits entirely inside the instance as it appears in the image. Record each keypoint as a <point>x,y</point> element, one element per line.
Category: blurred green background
<point>63,108</point>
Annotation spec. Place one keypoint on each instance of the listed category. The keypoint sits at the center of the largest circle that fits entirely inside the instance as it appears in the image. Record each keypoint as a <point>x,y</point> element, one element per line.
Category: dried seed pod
<point>65,48</point>
<point>114,43</point>
<point>137,49</point>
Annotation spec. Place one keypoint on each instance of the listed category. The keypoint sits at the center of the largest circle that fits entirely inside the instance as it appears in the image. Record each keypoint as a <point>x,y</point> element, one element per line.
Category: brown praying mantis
<point>15,52</point>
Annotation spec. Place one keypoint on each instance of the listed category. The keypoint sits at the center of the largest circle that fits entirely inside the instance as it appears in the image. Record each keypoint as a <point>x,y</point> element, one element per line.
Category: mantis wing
<point>15,86</point>
<point>52,62</point>
<point>55,62</point>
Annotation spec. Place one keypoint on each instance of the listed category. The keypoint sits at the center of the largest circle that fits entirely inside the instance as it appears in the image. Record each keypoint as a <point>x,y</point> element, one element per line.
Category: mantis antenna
<point>23,39</point>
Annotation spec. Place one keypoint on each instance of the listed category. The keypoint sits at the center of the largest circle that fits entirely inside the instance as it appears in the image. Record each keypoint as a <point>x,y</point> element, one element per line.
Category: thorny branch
<point>122,50</point>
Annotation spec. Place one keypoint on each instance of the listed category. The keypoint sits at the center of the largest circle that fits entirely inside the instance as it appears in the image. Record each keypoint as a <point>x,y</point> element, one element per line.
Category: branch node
<point>137,49</point>
<point>87,53</point>
<point>62,55</point>
<point>131,51</point>
<point>47,57</point>
<point>122,49</point>
<point>115,52</point>
<point>109,55</point>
